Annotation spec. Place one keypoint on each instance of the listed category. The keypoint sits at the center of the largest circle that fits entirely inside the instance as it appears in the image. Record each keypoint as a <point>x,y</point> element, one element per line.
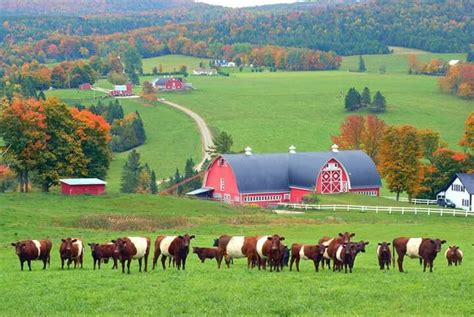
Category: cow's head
<point>320,249</point>
<point>93,246</point>
<point>66,246</point>
<point>20,247</point>
<point>186,240</point>
<point>346,236</point>
<point>384,247</point>
<point>276,241</point>
<point>437,243</point>
<point>121,245</point>
<point>360,246</point>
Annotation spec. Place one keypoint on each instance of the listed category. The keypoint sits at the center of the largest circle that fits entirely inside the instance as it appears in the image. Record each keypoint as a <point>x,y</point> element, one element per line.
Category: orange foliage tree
<point>467,140</point>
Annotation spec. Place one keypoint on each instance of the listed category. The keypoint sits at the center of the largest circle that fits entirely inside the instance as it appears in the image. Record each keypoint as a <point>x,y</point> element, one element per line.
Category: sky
<point>244,3</point>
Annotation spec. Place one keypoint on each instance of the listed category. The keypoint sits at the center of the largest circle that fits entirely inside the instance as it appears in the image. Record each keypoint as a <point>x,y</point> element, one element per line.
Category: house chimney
<point>248,151</point>
<point>334,148</point>
<point>292,149</point>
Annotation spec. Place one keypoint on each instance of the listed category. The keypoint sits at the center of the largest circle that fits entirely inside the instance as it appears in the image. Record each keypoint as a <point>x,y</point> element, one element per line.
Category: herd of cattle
<point>260,252</point>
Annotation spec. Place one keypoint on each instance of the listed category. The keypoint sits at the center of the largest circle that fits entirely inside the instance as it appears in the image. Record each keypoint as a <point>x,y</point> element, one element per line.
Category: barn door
<point>331,179</point>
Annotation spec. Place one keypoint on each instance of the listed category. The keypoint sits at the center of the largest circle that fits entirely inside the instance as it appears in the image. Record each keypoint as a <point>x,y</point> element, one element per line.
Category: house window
<point>287,196</point>
<point>222,184</point>
<point>221,162</point>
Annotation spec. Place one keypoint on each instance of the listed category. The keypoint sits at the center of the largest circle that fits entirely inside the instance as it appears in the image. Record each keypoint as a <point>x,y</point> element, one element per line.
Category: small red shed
<point>82,186</point>
<point>85,86</point>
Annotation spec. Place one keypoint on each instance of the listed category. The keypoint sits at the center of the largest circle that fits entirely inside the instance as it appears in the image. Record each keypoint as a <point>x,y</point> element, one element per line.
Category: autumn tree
<point>149,91</point>
<point>399,160</point>
<point>372,135</point>
<point>23,128</point>
<point>467,140</point>
<point>430,143</point>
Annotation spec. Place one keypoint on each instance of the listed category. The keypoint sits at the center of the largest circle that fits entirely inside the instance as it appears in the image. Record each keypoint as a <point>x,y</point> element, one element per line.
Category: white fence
<point>377,209</point>
<point>415,201</point>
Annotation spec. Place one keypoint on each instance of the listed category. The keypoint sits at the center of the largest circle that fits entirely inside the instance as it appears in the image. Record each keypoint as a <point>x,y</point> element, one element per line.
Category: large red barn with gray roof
<point>266,179</point>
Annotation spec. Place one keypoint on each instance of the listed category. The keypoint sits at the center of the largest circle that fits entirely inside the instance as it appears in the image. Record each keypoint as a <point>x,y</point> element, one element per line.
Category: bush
<point>310,199</point>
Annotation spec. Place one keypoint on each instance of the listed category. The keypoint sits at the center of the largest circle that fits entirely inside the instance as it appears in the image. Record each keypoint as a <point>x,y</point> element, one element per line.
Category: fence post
<point>441,212</point>
<point>466,212</point>
<point>306,207</point>
<point>454,212</point>
<point>429,209</point>
<point>390,210</point>
<point>333,207</point>
<point>403,210</point>
<point>376,209</point>
<point>348,208</point>
<point>415,211</point>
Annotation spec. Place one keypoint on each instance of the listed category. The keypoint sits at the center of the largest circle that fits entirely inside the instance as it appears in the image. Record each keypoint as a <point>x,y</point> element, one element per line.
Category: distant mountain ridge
<point>87,7</point>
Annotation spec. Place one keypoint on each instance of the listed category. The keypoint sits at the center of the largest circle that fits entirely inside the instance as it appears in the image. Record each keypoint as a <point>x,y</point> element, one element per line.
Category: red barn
<point>85,86</point>
<point>266,179</point>
<point>169,84</point>
<point>82,186</point>
<point>122,90</point>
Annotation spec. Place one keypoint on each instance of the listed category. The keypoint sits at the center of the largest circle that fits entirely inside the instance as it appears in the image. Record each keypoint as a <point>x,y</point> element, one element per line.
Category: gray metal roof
<point>200,191</point>
<point>467,180</point>
<point>163,81</point>
<point>82,181</point>
<point>278,172</point>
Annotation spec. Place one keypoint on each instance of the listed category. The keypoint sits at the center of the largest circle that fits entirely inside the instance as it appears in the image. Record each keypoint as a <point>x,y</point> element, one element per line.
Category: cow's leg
<point>146,261</point>
<point>139,264</point>
<point>115,263</point>
<point>123,266</point>
<point>298,264</point>
<point>291,262</point>
<point>400,262</point>
<point>45,261</point>
<point>425,263</point>
<point>227,261</point>
<point>163,261</point>
<point>62,263</point>
<point>315,265</point>
<point>21,264</point>
<point>155,257</point>
<point>128,265</point>
<point>29,264</point>
<point>184,262</point>
<point>95,261</point>
<point>431,265</point>
<point>219,260</point>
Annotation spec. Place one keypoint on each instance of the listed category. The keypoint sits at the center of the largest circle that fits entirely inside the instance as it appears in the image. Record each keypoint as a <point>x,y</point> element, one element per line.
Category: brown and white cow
<point>205,253</point>
<point>129,248</point>
<point>30,250</point>
<point>425,249</point>
<point>384,255</point>
<point>345,256</point>
<point>237,247</point>
<point>454,255</point>
<point>332,244</point>
<point>72,250</point>
<point>269,250</point>
<point>103,252</point>
<point>175,247</point>
<point>307,252</point>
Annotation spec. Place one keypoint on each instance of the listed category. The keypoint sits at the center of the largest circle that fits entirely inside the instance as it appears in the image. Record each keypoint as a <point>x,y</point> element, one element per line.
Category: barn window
<point>222,184</point>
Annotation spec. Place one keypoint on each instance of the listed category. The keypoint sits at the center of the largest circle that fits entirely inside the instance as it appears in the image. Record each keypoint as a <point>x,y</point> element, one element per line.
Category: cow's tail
<point>393,253</point>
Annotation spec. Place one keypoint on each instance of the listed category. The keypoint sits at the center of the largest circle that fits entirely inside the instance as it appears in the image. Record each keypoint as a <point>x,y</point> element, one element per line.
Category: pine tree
<point>222,144</point>
<point>139,128</point>
<point>470,55</point>
<point>155,70</point>
<point>153,185</point>
<point>352,100</point>
<point>362,68</point>
<point>379,104</point>
<point>41,96</point>
<point>131,173</point>
<point>176,180</point>
<point>365,98</point>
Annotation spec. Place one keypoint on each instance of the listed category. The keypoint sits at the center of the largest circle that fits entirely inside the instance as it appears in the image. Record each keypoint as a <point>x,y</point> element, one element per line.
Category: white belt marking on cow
<point>413,247</point>
<point>302,255</point>
<point>234,247</point>
<point>461,254</point>
<point>38,246</point>
<point>378,251</point>
<point>141,245</point>
<point>80,247</point>
<point>260,243</point>
<point>165,245</point>
<point>327,243</point>
<point>446,253</point>
<point>338,253</point>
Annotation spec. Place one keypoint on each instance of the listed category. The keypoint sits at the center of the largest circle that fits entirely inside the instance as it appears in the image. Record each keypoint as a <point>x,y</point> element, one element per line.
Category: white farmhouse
<point>460,191</point>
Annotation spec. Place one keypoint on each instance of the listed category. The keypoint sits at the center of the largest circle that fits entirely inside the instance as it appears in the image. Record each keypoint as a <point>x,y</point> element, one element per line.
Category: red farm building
<point>122,90</point>
<point>85,86</point>
<point>169,84</point>
<point>82,186</point>
<point>267,179</point>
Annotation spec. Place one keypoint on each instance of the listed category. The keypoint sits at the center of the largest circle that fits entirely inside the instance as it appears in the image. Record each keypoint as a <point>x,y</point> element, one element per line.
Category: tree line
<point>415,161</point>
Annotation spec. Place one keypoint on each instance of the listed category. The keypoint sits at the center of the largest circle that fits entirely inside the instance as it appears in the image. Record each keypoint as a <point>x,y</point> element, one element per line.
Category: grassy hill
<point>173,62</point>
<point>237,290</point>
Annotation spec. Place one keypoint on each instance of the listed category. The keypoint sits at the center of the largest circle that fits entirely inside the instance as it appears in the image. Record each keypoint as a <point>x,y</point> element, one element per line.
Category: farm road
<point>204,131</point>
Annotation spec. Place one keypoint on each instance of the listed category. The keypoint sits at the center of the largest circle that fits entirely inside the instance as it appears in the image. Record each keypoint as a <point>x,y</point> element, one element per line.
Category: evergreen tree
<point>362,68</point>
<point>222,144</point>
<point>365,98</point>
<point>131,173</point>
<point>176,180</point>
<point>41,96</point>
<point>139,128</point>
<point>470,55</point>
<point>153,185</point>
<point>379,104</point>
<point>155,70</point>
<point>352,100</point>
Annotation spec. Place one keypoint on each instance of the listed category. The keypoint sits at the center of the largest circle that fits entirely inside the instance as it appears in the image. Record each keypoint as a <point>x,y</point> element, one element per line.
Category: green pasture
<point>173,62</point>
<point>204,290</point>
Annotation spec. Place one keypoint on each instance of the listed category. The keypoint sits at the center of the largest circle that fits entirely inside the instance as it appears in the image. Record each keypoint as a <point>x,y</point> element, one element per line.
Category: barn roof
<point>468,181</point>
<point>163,81</point>
<point>278,172</point>
<point>82,181</point>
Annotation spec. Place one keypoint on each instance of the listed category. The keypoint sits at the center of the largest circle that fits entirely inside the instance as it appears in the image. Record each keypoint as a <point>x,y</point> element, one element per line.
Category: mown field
<point>204,290</point>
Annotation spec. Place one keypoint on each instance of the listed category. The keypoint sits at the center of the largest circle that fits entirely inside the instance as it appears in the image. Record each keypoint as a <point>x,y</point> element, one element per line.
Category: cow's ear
<point>366,243</point>
<point>14,244</point>
<point>340,234</point>
<point>89,244</point>
<point>113,241</point>
<point>379,243</point>
<point>270,238</point>
<point>181,237</point>
<point>63,240</point>
<point>443,241</point>
<point>282,238</point>
<point>388,243</point>
<point>73,241</point>
<point>192,237</point>
<point>353,234</point>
